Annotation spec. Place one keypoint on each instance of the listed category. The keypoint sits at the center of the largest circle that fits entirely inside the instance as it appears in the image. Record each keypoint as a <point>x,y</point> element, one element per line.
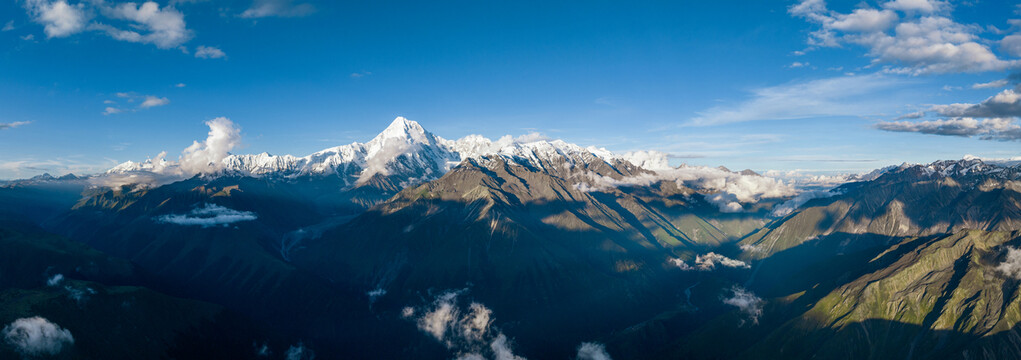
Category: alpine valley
<point>415,246</point>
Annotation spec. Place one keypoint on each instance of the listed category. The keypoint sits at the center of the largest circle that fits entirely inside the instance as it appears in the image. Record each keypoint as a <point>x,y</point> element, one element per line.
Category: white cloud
<point>180,85</point>
<point>466,331</point>
<point>277,8</point>
<point>209,52</point>
<point>36,336</point>
<point>709,262</point>
<point>208,216</point>
<point>200,158</point>
<point>1002,129</point>
<point>990,85</point>
<point>59,19</point>
<point>923,6</point>
<point>207,157</point>
<point>8,26</point>
<point>152,101</point>
<point>164,27</point>
<point>110,110</point>
<point>12,125</point>
<point>1004,104</point>
<point>28,37</point>
<point>746,301</point>
<point>501,349</point>
<point>592,351</point>
<point>924,41</point>
<point>797,64</point>
<point>1011,44</point>
<point>1011,266</point>
<point>55,280</point>
<point>864,20</point>
<point>837,96</point>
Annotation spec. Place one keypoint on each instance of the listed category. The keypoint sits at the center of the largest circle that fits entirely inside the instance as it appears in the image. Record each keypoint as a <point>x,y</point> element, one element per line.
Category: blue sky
<point>783,85</point>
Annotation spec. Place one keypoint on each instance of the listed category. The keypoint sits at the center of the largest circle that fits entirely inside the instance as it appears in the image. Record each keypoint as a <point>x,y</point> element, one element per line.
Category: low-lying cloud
<point>728,190</point>
<point>592,351</point>
<point>746,301</point>
<point>299,352</point>
<point>36,336</point>
<point>709,262</point>
<point>464,329</point>
<point>1011,266</point>
<point>789,206</point>
<point>208,216</point>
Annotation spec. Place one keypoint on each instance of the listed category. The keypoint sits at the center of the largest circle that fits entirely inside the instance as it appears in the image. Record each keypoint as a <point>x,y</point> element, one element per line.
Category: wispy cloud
<point>278,8</point>
<point>4,126</point>
<point>153,101</point>
<point>209,52</point>
<point>144,102</point>
<point>837,96</point>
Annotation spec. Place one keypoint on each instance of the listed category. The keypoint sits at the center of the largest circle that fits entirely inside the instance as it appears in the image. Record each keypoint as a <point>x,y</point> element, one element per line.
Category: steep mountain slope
<point>85,292</point>
<point>943,197</point>
<point>532,240</point>
<point>953,296</point>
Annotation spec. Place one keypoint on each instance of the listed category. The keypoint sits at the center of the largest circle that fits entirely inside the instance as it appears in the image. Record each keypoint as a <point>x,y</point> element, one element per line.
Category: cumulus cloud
<point>36,336</point>
<point>278,8</point>
<point>209,52</point>
<point>200,158</point>
<point>148,24</point>
<point>746,301</point>
<point>1002,129</point>
<point>208,216</point>
<point>465,330</point>
<point>12,125</point>
<point>592,351</point>
<point>59,19</point>
<point>110,110</point>
<point>8,26</point>
<point>206,157</point>
<point>709,262</point>
<point>925,40</point>
<point>1011,266</point>
<point>152,101</point>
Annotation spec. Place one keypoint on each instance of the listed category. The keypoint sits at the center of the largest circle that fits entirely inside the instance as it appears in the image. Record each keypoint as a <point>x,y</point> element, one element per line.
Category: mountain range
<point>412,245</point>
